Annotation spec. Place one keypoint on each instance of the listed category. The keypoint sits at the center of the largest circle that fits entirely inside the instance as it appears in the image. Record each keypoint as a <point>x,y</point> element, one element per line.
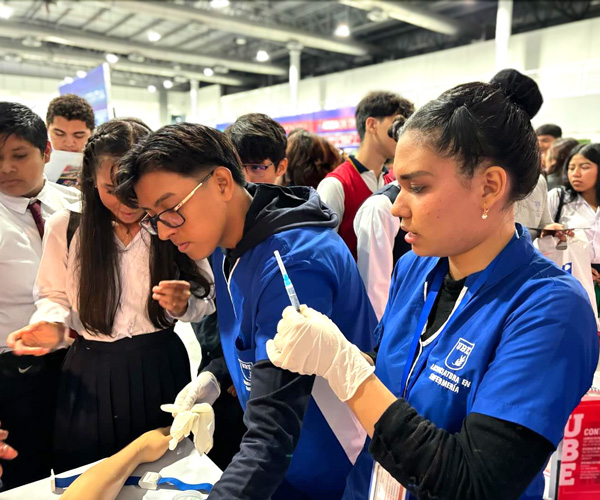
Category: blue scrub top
<point>523,348</point>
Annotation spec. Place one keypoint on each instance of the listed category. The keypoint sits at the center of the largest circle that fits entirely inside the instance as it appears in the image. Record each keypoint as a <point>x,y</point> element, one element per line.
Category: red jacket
<point>355,193</point>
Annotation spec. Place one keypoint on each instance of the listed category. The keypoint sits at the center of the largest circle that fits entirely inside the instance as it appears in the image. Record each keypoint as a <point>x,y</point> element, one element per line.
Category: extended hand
<point>173,296</point>
<point>36,339</point>
<point>310,343</point>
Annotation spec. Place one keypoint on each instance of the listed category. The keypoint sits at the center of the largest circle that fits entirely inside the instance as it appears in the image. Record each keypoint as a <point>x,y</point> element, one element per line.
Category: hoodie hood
<point>275,209</point>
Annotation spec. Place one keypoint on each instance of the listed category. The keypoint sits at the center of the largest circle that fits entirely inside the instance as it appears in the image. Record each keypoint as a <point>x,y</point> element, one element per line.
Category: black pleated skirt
<point>110,393</point>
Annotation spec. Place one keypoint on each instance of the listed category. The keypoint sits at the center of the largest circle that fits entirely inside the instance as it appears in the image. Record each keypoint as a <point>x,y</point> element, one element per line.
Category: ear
<point>371,124</point>
<point>495,187</point>
<point>223,183</point>
<point>282,167</point>
<point>47,152</point>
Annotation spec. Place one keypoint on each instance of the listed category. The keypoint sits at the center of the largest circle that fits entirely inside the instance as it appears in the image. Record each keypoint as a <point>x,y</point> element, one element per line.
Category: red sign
<point>580,468</point>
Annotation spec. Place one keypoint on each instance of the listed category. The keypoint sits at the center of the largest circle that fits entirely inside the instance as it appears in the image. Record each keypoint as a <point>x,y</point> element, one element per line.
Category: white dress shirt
<point>58,277</point>
<point>578,214</point>
<point>376,229</point>
<point>21,251</point>
<point>331,190</point>
<point>532,212</point>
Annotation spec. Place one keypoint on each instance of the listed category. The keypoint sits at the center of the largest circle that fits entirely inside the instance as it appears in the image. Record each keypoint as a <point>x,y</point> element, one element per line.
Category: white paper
<point>64,167</point>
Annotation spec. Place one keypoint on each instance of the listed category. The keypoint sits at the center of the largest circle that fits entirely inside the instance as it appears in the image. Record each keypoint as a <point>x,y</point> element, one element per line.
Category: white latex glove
<point>203,389</point>
<point>200,421</point>
<point>310,343</point>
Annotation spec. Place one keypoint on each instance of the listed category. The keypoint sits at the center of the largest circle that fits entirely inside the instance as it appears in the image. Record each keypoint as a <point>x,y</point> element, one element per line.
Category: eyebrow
<point>19,148</point>
<point>162,198</point>
<point>412,175</point>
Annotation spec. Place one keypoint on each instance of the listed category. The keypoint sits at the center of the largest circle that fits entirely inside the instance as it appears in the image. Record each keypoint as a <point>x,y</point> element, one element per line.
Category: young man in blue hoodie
<point>301,442</point>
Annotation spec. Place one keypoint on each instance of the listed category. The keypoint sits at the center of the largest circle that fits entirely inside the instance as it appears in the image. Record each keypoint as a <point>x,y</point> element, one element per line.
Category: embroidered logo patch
<point>246,368</point>
<point>459,355</point>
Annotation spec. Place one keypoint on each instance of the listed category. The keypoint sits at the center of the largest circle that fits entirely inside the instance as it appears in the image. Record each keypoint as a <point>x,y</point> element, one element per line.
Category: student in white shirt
<point>380,241</point>
<point>25,382</point>
<point>346,188</point>
<point>121,289</point>
<point>575,206</point>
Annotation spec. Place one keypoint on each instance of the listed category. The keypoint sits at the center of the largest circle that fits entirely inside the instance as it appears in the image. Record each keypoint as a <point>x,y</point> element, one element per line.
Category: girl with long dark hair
<point>122,290</point>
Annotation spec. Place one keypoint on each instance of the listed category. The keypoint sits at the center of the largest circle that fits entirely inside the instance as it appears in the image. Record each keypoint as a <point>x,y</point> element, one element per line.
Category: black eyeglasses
<point>171,217</point>
<point>258,169</point>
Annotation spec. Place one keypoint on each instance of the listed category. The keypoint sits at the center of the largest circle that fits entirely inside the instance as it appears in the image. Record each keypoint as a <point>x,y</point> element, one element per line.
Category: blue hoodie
<point>301,440</point>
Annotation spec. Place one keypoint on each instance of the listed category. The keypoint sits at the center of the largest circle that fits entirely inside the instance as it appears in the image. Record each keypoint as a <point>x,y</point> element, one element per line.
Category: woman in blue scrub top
<point>485,347</point>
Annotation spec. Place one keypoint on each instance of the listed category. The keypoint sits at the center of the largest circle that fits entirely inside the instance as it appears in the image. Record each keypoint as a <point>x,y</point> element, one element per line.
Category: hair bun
<point>520,89</point>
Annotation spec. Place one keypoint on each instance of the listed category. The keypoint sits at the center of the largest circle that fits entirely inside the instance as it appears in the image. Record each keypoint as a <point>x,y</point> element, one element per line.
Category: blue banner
<point>95,89</point>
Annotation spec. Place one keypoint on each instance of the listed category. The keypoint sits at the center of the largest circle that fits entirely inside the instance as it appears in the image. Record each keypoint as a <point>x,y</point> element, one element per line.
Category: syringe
<point>289,288</point>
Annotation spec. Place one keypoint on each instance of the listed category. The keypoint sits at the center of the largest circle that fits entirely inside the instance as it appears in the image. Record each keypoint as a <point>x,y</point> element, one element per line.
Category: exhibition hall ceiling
<point>246,44</point>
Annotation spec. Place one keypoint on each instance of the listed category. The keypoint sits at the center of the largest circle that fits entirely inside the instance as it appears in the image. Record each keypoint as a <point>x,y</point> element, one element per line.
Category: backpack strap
<point>561,204</point>
<point>74,221</point>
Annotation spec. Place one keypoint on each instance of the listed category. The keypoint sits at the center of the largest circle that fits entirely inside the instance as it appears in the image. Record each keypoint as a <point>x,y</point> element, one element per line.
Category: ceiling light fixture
<point>6,11</point>
<point>262,56</point>
<point>151,89</point>
<point>219,4</point>
<point>180,79</point>
<point>208,72</point>
<point>81,74</point>
<point>30,41</point>
<point>16,58</point>
<point>68,79</point>
<point>168,84</point>
<point>342,30</point>
<point>377,15</point>
<point>136,57</point>
<point>154,36</point>
<point>241,41</point>
<point>112,58</point>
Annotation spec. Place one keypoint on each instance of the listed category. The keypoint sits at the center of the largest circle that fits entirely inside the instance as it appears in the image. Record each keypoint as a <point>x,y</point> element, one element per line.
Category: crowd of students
<point>450,369</point>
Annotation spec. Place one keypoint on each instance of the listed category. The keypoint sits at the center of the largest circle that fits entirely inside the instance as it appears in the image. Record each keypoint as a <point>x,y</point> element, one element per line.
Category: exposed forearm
<point>370,402</point>
<point>105,480</point>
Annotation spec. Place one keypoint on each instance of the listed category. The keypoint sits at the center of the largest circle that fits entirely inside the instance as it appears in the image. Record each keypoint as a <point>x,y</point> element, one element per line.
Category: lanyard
<point>441,271</point>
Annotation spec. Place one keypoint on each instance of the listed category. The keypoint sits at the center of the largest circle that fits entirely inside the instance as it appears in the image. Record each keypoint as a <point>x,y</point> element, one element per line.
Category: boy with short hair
<point>27,199</point>
<point>261,143</point>
<point>70,121</point>
<point>547,134</point>
<point>350,184</point>
<point>301,441</point>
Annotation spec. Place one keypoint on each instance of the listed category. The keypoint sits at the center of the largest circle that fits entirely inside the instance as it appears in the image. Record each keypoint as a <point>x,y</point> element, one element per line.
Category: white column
<point>193,118</point>
<point>503,31</point>
<point>295,49</point>
<point>163,103</point>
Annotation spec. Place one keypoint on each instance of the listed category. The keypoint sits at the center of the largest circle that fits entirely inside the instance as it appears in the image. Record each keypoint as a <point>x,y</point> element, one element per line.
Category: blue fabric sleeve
<point>544,363</point>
